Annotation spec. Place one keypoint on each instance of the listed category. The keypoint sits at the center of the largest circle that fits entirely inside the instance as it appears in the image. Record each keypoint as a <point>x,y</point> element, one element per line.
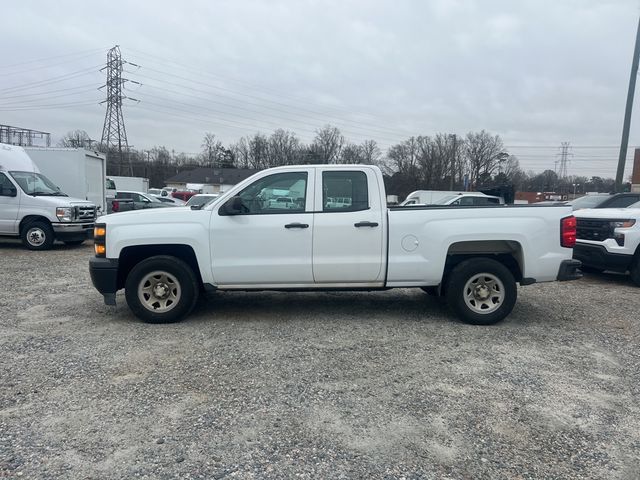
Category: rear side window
<point>344,191</point>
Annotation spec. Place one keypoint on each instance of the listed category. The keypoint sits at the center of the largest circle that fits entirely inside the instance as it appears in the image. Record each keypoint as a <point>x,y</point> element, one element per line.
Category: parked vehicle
<point>427,197</point>
<point>126,201</point>
<point>110,187</point>
<point>605,200</point>
<point>184,196</point>
<point>201,199</point>
<point>33,208</point>
<point>176,202</point>
<point>472,256</point>
<point>609,239</point>
<point>131,184</point>
<point>433,197</point>
<point>155,191</point>
<point>78,172</point>
<point>469,199</point>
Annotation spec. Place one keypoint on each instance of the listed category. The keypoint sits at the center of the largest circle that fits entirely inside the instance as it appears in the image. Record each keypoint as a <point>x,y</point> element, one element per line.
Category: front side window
<point>344,191</point>
<point>278,193</point>
<point>6,187</point>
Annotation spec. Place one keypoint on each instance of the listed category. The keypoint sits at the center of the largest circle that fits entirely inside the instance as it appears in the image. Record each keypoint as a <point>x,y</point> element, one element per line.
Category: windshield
<point>33,183</point>
<point>634,205</point>
<point>588,201</point>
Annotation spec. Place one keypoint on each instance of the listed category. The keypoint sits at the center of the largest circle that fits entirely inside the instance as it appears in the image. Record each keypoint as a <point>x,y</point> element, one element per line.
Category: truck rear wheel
<point>161,289</point>
<point>37,235</point>
<point>481,291</point>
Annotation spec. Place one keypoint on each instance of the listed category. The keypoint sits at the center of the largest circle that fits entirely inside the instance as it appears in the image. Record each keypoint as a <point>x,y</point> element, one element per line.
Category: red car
<point>184,196</point>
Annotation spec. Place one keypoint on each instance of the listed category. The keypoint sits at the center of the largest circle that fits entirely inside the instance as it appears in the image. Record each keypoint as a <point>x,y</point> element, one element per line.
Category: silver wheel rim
<point>36,236</point>
<point>484,293</point>
<point>159,291</point>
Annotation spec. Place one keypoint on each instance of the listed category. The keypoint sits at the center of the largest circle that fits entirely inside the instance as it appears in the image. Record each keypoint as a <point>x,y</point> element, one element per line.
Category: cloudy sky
<point>535,72</point>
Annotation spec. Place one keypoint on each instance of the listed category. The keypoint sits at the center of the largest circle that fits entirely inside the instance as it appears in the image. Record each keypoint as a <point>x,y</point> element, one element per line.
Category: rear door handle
<point>365,224</point>
<point>296,225</point>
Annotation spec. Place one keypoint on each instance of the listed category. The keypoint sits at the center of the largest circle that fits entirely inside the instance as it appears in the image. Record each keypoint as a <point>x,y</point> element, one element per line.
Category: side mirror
<point>233,206</point>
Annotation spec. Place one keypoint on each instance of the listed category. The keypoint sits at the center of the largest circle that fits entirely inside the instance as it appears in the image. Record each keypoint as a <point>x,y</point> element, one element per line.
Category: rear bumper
<point>104,276</point>
<point>569,270</point>
<point>597,256</point>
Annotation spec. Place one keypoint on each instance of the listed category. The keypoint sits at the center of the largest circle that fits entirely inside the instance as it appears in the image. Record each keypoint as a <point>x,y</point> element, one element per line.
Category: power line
<point>59,78</point>
<point>48,58</point>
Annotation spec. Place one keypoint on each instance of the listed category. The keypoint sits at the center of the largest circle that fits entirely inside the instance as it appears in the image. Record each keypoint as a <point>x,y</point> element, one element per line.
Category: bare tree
<point>75,139</point>
<point>327,145</point>
<point>284,148</point>
<point>483,153</point>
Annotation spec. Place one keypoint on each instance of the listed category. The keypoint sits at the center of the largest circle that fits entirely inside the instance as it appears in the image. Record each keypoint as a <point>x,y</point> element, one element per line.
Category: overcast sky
<point>535,72</point>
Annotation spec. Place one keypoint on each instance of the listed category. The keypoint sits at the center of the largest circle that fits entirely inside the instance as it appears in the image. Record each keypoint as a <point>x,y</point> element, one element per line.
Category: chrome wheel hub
<point>484,293</point>
<point>35,236</point>
<point>159,291</point>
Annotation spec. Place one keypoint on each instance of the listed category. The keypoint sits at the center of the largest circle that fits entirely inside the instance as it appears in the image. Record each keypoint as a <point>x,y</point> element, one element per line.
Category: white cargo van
<point>33,208</point>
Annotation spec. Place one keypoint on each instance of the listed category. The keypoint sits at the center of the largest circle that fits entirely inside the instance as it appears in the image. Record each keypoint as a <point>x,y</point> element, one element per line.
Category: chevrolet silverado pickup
<point>609,239</point>
<point>473,256</point>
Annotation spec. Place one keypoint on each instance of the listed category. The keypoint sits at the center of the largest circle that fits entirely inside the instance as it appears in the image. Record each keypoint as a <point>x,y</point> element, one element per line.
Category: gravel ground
<point>327,385</point>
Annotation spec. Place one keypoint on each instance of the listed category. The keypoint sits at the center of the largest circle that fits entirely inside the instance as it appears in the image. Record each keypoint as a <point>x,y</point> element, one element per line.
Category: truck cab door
<point>9,206</point>
<point>257,241</point>
<point>348,228</point>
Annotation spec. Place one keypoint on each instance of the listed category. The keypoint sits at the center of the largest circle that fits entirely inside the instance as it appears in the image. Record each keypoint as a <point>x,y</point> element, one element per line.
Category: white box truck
<point>131,184</point>
<point>78,172</point>
<point>34,209</point>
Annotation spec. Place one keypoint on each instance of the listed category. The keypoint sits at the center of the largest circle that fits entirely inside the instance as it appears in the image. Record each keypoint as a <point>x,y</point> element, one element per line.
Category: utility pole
<point>114,135</point>
<point>624,143</point>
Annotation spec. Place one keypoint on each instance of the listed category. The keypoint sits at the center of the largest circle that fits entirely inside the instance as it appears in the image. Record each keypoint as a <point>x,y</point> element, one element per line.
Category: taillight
<point>115,205</point>
<point>568,232</point>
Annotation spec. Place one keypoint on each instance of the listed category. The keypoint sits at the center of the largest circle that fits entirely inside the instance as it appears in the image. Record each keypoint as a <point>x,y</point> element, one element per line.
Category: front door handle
<point>296,225</point>
<point>365,224</point>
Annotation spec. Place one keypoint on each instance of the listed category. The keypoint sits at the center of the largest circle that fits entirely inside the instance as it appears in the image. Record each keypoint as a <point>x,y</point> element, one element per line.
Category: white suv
<point>609,239</point>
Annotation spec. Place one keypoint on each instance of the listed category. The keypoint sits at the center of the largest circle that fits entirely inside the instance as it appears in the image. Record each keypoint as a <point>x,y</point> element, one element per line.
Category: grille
<point>85,213</point>
<point>594,229</point>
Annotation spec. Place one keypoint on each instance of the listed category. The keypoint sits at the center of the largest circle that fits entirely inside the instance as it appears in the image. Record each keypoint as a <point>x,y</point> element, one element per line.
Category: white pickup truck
<point>474,256</point>
<point>609,239</point>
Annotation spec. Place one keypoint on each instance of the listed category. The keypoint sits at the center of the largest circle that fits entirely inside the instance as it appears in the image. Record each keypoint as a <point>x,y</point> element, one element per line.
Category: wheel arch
<point>507,252</point>
<point>131,256</point>
<point>32,218</point>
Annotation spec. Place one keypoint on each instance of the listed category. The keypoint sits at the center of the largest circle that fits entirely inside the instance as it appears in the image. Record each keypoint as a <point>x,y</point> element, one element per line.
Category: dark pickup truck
<point>126,201</point>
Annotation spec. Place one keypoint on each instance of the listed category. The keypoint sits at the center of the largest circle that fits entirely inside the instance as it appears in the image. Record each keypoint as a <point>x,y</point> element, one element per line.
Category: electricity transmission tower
<point>564,159</point>
<point>114,134</point>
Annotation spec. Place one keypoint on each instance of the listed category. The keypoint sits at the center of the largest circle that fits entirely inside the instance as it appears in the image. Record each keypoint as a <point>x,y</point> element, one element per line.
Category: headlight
<point>64,214</point>
<point>623,223</point>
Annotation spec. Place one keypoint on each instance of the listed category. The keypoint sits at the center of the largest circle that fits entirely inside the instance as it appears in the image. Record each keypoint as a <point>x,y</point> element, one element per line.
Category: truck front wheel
<point>37,235</point>
<point>481,291</point>
<point>161,289</point>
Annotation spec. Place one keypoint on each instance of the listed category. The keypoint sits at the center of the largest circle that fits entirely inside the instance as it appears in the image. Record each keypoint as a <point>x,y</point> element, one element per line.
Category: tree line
<point>440,162</point>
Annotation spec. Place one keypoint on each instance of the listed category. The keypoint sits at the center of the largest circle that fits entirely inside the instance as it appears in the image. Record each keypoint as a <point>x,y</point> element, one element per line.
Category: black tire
<point>501,294</point>
<point>37,235</point>
<point>587,269</point>
<point>73,243</point>
<point>179,282</point>
<point>635,270</point>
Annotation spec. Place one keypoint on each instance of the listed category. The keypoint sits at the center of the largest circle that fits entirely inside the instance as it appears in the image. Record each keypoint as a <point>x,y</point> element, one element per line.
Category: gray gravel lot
<point>326,385</point>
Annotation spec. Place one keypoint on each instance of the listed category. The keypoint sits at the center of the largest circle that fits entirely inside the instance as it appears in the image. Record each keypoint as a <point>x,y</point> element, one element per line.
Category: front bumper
<point>597,256</point>
<point>72,231</point>
<point>569,270</point>
<point>104,276</point>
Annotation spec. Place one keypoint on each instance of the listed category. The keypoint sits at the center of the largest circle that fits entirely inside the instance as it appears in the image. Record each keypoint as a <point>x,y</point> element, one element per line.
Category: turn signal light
<point>99,232</point>
<point>101,250</point>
